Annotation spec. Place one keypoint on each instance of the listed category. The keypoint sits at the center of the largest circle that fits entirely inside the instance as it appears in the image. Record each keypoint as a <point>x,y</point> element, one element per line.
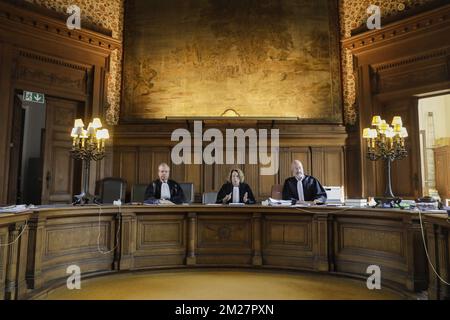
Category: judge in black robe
<point>153,191</point>
<point>312,189</point>
<point>236,178</point>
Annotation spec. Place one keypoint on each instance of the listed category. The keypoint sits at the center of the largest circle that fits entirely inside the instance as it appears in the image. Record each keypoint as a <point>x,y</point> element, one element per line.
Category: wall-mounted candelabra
<point>88,144</point>
<point>387,143</point>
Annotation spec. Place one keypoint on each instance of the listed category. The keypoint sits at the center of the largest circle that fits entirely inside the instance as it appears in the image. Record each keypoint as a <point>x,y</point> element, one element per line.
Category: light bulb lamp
<point>87,145</point>
<point>387,143</point>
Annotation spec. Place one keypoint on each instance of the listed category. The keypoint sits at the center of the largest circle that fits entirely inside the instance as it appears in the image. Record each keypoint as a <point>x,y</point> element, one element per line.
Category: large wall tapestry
<point>212,58</point>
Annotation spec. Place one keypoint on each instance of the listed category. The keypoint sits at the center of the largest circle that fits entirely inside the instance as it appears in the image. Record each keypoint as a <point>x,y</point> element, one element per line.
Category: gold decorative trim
<point>397,29</point>
<point>47,59</point>
<point>402,62</point>
<point>10,14</point>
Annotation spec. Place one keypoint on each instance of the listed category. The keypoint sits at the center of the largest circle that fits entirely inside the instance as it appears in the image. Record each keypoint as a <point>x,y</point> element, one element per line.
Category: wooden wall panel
<point>334,167</point>
<point>442,165</point>
<point>70,65</point>
<point>394,66</point>
<point>140,165</point>
<point>127,166</point>
<point>3,260</point>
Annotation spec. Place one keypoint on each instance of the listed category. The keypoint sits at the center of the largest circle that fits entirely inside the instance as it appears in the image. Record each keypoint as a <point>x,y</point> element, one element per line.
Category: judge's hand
<point>163,201</point>
<point>227,198</point>
<point>245,197</point>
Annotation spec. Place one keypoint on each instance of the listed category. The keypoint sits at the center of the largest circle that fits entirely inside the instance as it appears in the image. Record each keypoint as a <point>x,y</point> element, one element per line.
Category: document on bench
<point>275,202</point>
<point>14,209</point>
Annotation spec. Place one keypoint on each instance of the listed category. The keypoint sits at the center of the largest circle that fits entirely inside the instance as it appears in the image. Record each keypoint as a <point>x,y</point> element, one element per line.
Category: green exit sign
<point>33,97</point>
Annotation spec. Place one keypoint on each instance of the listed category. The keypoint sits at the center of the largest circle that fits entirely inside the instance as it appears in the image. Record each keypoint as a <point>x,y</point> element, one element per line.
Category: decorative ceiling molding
<point>409,60</point>
<point>12,17</point>
<point>436,18</point>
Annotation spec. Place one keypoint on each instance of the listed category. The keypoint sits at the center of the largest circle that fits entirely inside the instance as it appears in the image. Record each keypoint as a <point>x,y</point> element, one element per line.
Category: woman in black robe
<point>235,190</point>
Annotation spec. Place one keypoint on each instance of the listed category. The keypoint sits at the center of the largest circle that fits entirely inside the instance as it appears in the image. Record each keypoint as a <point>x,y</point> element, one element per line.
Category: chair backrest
<point>188,190</point>
<point>111,189</point>
<point>209,197</point>
<point>277,192</point>
<point>138,192</point>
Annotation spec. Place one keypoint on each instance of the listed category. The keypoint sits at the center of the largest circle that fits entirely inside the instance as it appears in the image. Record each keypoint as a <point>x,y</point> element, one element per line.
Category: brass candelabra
<point>387,143</point>
<point>88,145</point>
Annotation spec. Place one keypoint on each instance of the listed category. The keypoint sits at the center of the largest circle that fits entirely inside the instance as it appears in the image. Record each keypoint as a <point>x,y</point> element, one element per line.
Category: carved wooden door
<point>406,177</point>
<point>58,181</point>
<point>14,195</point>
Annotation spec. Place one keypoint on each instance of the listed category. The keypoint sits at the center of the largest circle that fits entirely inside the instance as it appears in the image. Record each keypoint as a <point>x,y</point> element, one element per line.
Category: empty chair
<point>188,190</point>
<point>209,197</point>
<point>111,189</point>
<point>277,192</point>
<point>138,192</point>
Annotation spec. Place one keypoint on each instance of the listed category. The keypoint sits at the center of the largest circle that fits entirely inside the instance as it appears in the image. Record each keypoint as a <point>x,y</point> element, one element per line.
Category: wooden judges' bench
<point>109,239</point>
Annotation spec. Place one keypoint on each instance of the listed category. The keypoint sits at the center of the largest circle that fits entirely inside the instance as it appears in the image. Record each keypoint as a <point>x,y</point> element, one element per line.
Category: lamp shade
<point>397,120</point>
<point>84,134</point>
<point>78,123</point>
<point>383,127</point>
<point>74,133</point>
<point>99,134</point>
<point>404,133</point>
<point>96,123</point>
<point>373,133</point>
<point>397,128</point>
<point>390,132</point>
<point>105,134</point>
<point>366,133</point>
<point>376,120</point>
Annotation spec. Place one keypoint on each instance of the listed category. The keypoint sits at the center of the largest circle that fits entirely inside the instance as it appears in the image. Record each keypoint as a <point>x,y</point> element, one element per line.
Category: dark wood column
<point>192,238</point>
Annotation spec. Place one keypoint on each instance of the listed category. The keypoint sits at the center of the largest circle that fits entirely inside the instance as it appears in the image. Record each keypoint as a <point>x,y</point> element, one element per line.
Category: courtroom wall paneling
<point>398,62</point>
<point>405,173</point>
<point>126,165</point>
<point>442,165</point>
<point>90,244</point>
<point>345,241</point>
<point>229,234</point>
<point>288,240</point>
<point>360,243</point>
<point>3,259</point>
<point>72,65</point>
<point>328,165</point>
<point>58,171</point>
<point>160,241</point>
<point>139,164</point>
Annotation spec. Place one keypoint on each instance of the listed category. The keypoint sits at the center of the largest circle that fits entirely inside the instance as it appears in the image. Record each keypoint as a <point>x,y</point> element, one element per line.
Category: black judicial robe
<point>227,188</point>
<point>312,189</point>
<point>153,192</point>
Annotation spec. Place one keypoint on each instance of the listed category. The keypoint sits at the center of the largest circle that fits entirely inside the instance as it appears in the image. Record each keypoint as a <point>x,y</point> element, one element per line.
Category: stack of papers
<point>14,209</point>
<point>275,202</point>
<point>356,202</point>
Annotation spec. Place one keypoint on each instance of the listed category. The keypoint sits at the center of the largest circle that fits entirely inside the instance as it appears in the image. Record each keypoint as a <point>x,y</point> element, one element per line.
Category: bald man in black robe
<point>303,188</point>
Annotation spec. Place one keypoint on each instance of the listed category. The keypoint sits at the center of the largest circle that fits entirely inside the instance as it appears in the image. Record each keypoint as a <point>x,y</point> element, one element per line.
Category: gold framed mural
<point>226,58</point>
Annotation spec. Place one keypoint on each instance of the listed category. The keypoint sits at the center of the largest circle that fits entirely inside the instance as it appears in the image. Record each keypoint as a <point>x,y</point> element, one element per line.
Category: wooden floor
<point>223,284</point>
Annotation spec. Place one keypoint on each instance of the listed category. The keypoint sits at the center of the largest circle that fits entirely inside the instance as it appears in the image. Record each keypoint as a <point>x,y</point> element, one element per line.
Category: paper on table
<point>14,209</point>
<point>275,202</point>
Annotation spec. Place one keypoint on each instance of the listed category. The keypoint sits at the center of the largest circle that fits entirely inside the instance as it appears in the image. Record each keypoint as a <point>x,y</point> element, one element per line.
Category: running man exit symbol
<point>33,97</point>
